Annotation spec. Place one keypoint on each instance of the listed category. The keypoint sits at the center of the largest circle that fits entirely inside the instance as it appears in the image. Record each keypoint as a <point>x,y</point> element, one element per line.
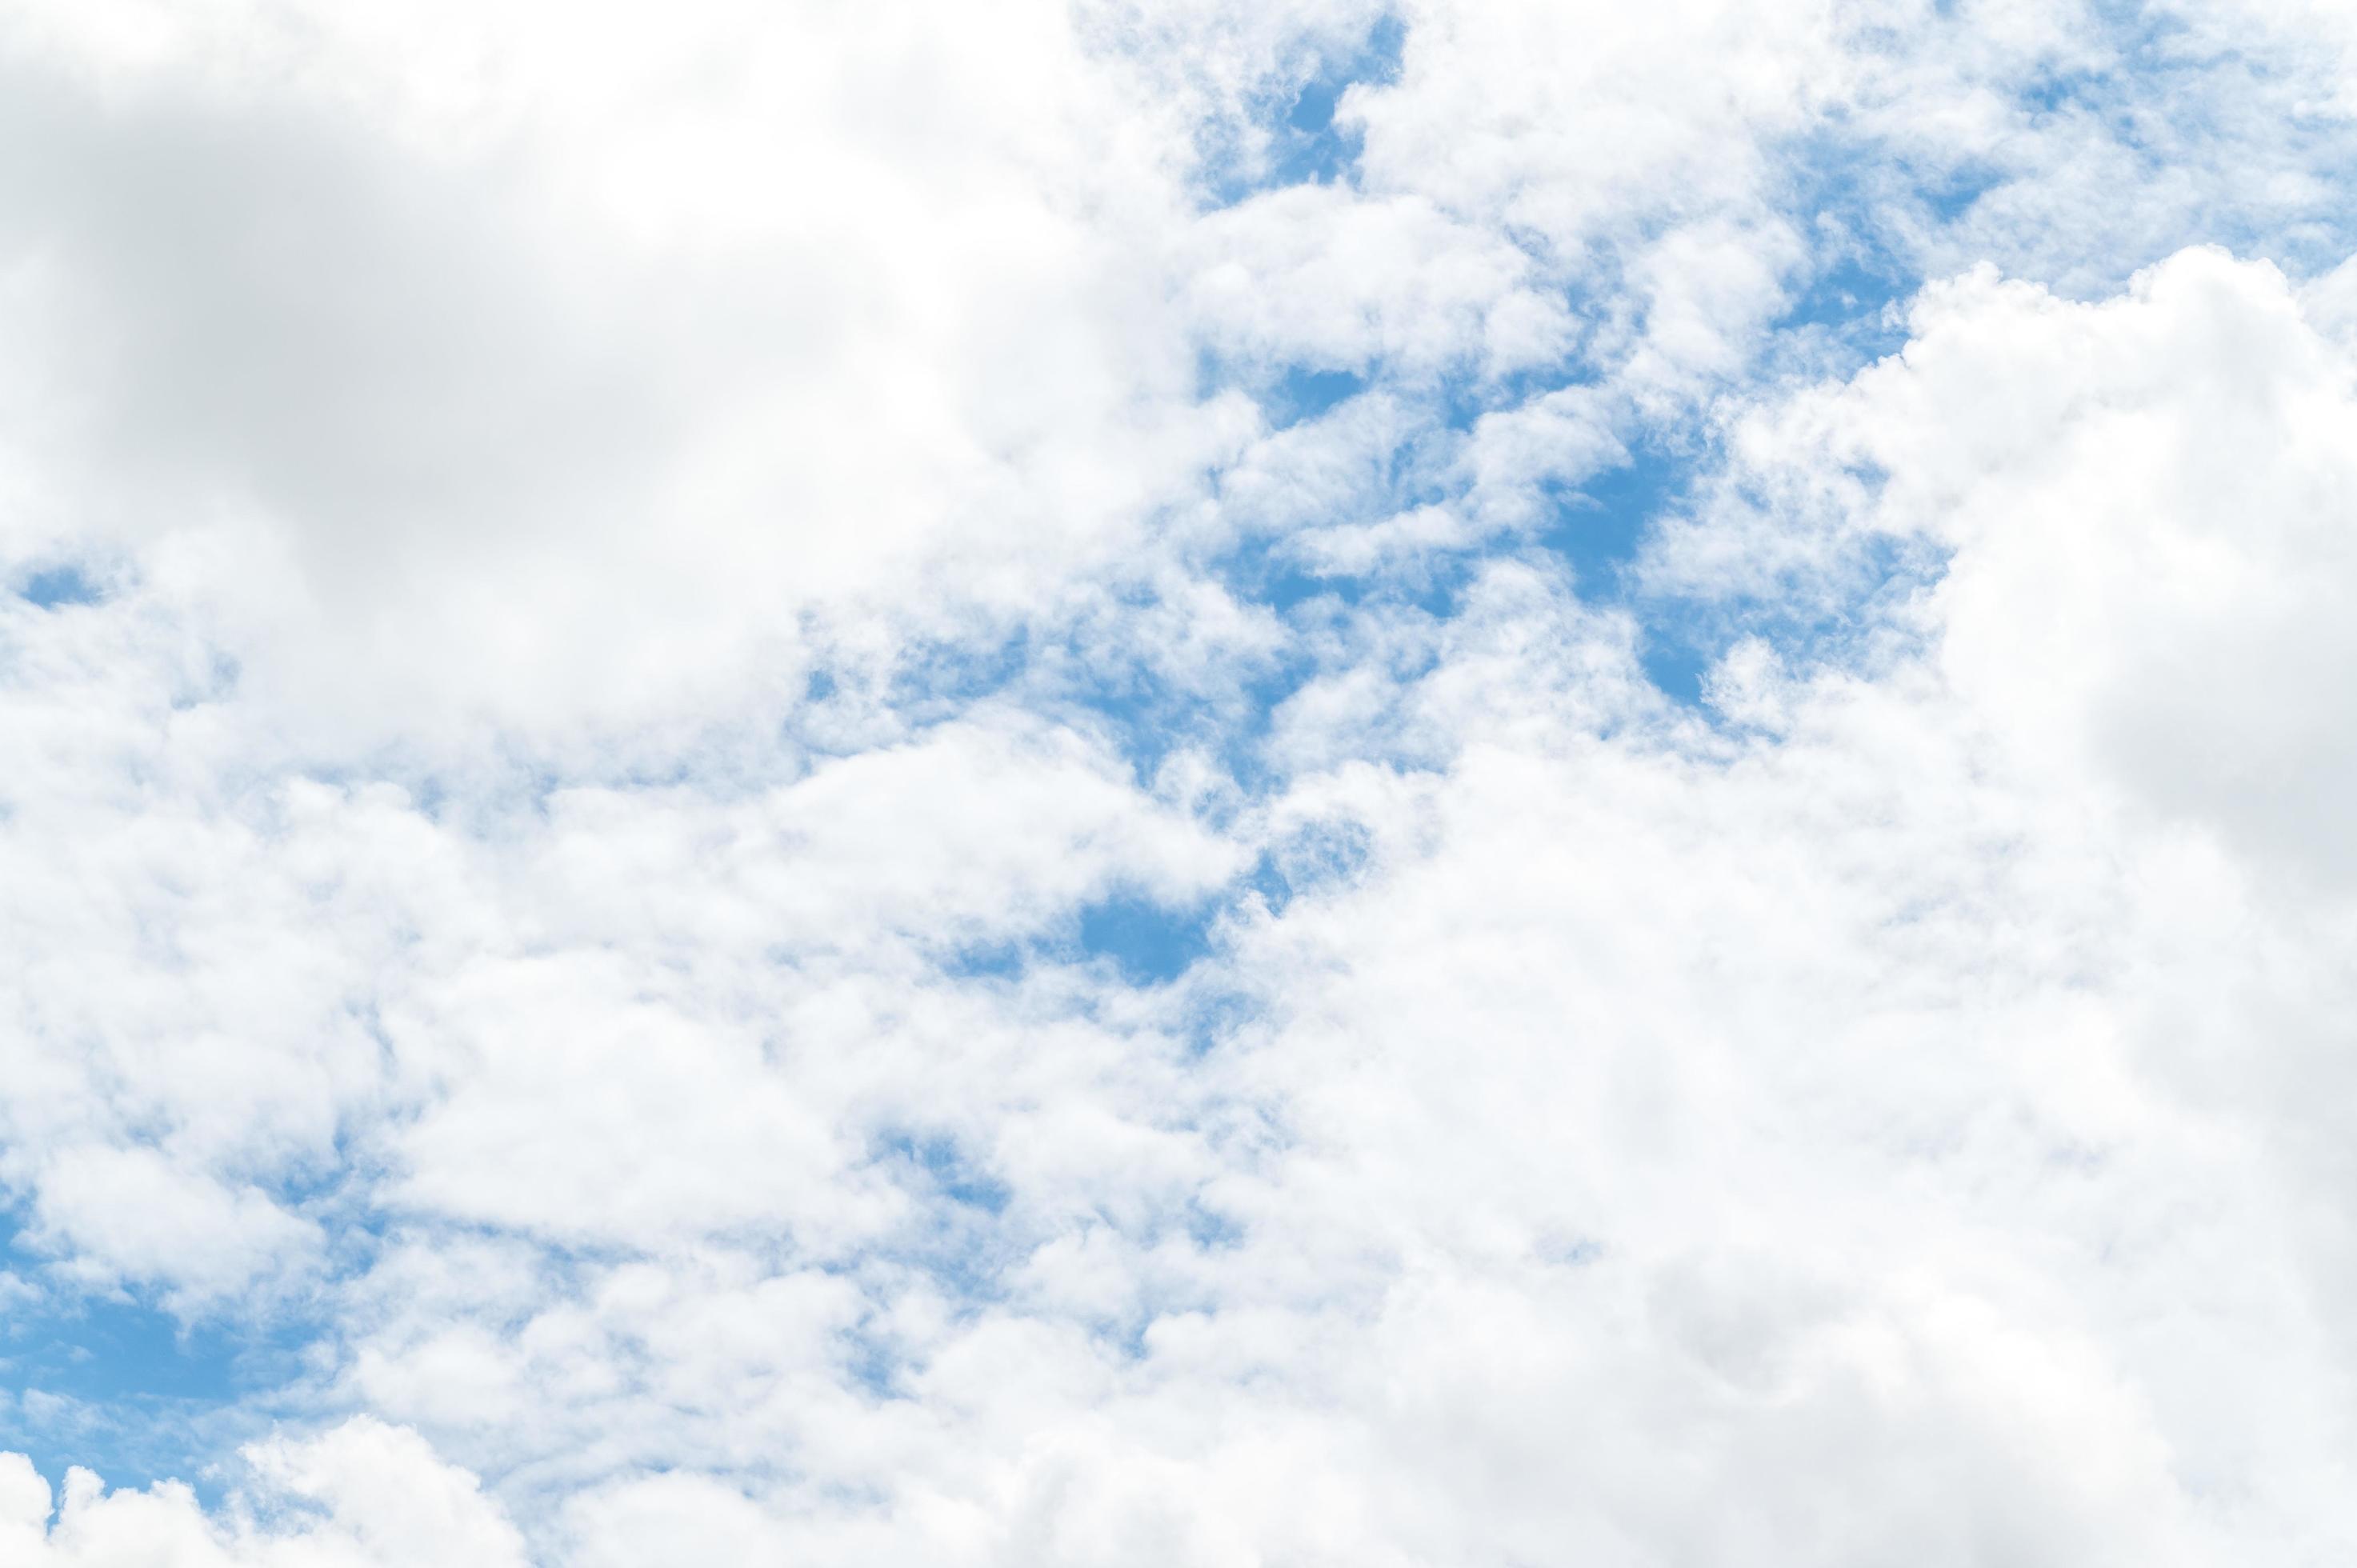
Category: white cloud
<point>644,574</point>
<point>541,363</point>
<point>362,1495</point>
<point>2141,507</point>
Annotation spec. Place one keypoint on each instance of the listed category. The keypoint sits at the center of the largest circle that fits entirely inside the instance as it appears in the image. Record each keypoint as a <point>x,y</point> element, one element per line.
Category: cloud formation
<point>1176,785</point>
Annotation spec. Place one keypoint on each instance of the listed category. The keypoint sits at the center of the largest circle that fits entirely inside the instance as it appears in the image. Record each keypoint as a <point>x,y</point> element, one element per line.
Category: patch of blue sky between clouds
<point>1303,392</point>
<point>57,587</point>
<point>1845,309</point>
<point>1310,146</point>
<point>1148,943</point>
<point>1865,220</point>
<point>1278,573</point>
<point>937,1163</point>
<point>1872,227</point>
<point>1307,142</point>
<point>1846,306</point>
<point>1286,394</point>
<point>124,1386</point>
<point>1144,943</point>
<point>962,1242</point>
<point>1598,526</point>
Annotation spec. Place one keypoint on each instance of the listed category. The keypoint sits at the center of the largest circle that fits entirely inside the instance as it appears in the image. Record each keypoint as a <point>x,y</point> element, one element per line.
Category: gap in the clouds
<point>1843,310</point>
<point>1598,528</point>
<point>1310,146</point>
<point>1286,394</point>
<point>1839,315</point>
<point>1595,526</point>
<point>1462,397</point>
<point>946,1169</point>
<point>1306,142</point>
<point>1949,195</point>
<point>1853,304</point>
<point>57,587</point>
<point>117,1384</point>
<point>1275,573</point>
<point>1147,943</point>
<point>1303,392</point>
<point>1676,665</point>
<point>1151,944</point>
<point>1148,714</point>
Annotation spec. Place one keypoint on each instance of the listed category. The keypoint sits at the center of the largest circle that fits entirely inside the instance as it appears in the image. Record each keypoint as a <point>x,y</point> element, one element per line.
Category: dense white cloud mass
<point>1195,784</point>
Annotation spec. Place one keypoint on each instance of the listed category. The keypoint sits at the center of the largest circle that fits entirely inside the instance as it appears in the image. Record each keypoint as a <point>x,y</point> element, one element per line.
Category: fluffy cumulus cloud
<point>362,1494</point>
<point>1181,784</point>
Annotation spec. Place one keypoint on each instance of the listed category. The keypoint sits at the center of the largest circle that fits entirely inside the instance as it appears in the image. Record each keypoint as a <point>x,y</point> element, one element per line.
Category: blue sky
<point>1176,785</point>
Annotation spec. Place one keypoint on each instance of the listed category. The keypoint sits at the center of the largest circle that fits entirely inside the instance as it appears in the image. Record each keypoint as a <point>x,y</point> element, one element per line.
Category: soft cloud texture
<point>1181,785</point>
<point>376,1496</point>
